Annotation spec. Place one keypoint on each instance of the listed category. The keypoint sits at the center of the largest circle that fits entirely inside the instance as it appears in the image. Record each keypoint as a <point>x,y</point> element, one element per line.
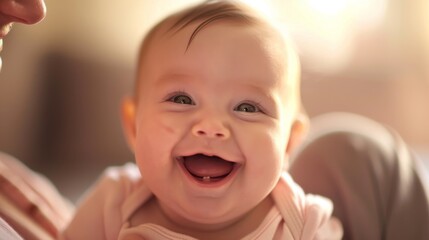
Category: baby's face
<point>213,121</point>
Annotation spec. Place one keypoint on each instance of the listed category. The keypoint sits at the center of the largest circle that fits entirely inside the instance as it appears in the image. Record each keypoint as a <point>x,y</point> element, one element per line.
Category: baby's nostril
<point>200,132</point>
<point>203,133</point>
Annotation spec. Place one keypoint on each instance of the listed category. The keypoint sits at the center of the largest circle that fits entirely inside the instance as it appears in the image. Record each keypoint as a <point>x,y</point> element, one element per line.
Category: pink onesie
<point>106,210</point>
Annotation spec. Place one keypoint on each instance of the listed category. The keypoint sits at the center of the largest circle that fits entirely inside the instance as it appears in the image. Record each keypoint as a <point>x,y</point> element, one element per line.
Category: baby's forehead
<point>199,17</point>
<point>262,38</point>
<point>265,41</point>
<point>169,32</point>
<point>185,27</point>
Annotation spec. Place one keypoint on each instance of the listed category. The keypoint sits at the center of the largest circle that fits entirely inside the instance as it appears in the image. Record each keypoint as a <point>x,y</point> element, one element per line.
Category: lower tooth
<point>206,179</point>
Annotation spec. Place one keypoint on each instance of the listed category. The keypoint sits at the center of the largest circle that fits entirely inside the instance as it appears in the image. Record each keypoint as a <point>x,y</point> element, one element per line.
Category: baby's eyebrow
<point>262,91</point>
<point>173,78</point>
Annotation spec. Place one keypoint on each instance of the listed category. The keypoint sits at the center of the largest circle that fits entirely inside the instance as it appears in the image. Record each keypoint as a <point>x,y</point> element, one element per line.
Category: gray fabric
<point>369,174</point>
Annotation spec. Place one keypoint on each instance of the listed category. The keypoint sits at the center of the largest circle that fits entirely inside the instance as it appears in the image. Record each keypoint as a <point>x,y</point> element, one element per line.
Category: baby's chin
<point>213,223</point>
<point>204,220</point>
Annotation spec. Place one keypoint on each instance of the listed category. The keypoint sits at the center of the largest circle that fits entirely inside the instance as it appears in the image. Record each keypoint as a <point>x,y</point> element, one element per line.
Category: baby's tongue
<point>204,166</point>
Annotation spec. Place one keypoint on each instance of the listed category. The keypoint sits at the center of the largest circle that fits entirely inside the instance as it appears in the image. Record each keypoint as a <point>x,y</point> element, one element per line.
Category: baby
<point>214,117</point>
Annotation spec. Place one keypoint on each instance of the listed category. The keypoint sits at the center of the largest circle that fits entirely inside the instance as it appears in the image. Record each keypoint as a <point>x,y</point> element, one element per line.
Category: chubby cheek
<point>266,155</point>
<point>156,137</point>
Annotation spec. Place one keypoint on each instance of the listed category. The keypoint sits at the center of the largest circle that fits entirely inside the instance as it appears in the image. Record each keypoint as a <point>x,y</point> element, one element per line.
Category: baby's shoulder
<point>119,180</point>
<point>108,204</point>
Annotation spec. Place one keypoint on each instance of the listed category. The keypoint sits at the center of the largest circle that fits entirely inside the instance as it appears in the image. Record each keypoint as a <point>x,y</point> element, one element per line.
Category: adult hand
<point>29,202</point>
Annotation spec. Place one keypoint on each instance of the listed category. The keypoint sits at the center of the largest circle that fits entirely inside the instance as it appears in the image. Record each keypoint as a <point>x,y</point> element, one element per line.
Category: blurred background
<point>62,80</point>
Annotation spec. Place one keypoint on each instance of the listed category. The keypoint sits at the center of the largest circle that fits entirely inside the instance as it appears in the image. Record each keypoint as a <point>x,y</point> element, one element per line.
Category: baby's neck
<point>152,212</point>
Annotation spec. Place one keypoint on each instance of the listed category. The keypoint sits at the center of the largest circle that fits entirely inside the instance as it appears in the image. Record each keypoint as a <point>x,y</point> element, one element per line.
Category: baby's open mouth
<point>207,168</point>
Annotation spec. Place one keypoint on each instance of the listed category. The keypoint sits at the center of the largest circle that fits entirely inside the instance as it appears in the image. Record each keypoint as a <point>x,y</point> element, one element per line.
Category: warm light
<point>330,7</point>
<point>327,31</point>
<point>262,6</point>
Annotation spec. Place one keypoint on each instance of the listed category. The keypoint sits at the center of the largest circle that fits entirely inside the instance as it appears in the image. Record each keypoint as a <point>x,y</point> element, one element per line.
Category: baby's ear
<point>128,114</point>
<point>298,132</point>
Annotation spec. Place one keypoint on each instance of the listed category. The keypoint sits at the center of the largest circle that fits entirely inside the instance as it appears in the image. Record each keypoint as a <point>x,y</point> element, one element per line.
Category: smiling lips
<point>207,169</point>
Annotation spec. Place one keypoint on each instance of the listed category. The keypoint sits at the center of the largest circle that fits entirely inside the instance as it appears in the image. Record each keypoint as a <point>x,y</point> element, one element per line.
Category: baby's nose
<point>211,129</point>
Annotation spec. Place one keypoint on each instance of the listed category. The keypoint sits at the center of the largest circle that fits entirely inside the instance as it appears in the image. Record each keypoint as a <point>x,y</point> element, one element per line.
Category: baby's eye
<point>181,99</point>
<point>247,107</point>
